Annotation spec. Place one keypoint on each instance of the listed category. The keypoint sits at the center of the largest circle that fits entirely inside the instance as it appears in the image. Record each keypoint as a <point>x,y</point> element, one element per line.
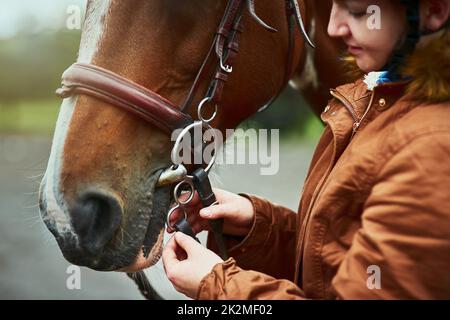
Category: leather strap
<point>227,48</point>
<point>123,93</point>
<point>225,34</point>
<point>144,285</point>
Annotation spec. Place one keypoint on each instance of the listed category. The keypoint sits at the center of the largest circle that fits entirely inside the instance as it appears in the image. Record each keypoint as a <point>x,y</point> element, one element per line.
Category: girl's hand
<point>186,263</point>
<point>237,212</point>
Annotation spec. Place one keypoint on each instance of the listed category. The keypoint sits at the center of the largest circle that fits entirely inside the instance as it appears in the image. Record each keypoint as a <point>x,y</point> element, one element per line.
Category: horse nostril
<point>95,219</point>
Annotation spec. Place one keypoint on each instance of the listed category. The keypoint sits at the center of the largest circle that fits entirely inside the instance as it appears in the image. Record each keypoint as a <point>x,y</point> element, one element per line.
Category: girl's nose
<point>337,27</point>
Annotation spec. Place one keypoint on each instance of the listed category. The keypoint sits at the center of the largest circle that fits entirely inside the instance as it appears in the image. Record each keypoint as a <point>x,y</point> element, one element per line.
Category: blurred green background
<point>31,66</point>
<point>36,47</point>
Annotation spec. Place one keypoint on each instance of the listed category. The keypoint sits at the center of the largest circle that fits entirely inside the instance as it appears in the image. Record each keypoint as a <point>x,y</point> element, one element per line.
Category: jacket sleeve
<point>402,250</point>
<point>270,246</point>
<point>227,281</point>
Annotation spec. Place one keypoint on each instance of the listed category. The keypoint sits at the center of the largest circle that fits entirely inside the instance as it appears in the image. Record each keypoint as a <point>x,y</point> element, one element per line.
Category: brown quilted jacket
<point>374,216</point>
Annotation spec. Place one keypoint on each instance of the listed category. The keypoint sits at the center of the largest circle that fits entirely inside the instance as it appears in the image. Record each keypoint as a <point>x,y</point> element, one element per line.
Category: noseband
<point>113,89</point>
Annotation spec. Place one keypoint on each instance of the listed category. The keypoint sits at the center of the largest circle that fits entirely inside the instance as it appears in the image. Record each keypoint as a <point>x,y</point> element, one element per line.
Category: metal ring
<point>216,150</point>
<point>200,111</point>
<point>169,215</point>
<point>174,154</point>
<point>176,146</point>
<point>177,189</point>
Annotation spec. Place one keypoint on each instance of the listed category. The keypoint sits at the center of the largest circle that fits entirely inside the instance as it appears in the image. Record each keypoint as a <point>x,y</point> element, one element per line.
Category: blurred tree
<point>290,113</point>
<point>31,64</point>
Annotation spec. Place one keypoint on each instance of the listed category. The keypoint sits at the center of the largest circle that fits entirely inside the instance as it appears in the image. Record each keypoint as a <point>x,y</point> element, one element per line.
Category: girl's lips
<point>355,50</point>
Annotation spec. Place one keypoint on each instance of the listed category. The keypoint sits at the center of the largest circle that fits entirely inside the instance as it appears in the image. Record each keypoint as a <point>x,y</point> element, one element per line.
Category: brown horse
<point>99,195</point>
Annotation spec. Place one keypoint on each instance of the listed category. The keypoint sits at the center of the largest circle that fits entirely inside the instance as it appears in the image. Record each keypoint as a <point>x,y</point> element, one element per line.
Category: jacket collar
<point>362,105</point>
<point>359,98</point>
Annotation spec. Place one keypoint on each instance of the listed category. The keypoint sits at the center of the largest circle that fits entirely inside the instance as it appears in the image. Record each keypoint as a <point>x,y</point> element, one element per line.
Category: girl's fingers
<point>169,255</point>
<point>226,210</point>
<point>197,215</point>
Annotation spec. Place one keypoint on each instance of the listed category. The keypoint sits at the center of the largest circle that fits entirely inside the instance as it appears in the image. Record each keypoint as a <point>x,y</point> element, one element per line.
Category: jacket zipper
<point>356,124</point>
<point>356,121</point>
<point>346,103</point>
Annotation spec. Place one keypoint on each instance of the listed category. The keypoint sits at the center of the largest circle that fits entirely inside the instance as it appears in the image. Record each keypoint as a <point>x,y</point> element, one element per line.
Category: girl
<point>374,218</point>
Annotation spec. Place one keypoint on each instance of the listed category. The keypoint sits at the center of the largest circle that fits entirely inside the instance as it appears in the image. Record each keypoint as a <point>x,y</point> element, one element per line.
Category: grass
<point>29,117</point>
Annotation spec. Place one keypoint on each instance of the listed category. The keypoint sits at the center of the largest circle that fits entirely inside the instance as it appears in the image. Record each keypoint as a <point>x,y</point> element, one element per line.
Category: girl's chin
<point>366,67</point>
<point>368,64</point>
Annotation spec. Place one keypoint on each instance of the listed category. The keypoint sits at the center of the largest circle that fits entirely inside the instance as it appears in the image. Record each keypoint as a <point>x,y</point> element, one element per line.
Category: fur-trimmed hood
<point>428,68</point>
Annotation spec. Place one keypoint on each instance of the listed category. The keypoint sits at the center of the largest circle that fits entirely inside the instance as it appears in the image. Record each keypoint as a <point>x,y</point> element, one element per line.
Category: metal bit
<point>172,175</point>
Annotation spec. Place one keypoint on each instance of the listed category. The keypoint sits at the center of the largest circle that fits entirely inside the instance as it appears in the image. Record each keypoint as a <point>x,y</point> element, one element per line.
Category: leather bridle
<point>110,87</point>
<point>91,80</point>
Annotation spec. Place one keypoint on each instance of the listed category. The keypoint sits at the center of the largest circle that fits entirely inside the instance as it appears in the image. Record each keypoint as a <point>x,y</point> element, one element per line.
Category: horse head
<point>99,196</point>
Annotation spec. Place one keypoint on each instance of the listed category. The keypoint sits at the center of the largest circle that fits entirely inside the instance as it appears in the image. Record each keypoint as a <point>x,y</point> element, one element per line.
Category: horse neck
<point>274,15</point>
